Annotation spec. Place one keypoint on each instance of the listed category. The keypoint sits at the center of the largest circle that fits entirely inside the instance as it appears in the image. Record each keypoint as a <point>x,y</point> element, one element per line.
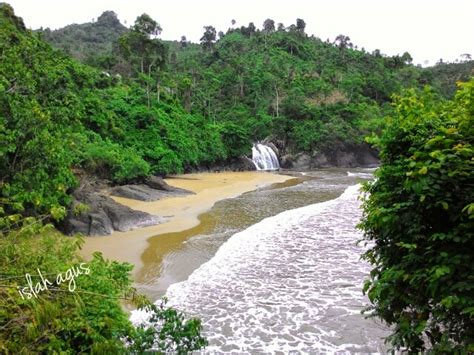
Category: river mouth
<point>171,257</point>
<point>275,270</point>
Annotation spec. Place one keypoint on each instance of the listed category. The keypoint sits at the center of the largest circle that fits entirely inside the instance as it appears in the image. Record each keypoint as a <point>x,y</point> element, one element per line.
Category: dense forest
<point>305,94</point>
<point>120,104</point>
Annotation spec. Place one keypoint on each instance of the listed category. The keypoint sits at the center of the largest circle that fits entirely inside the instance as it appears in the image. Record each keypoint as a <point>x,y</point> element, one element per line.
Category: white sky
<point>427,29</point>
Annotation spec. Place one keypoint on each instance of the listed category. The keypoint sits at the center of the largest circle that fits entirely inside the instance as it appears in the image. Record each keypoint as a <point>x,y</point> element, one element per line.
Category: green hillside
<point>58,114</point>
<point>307,95</point>
<point>87,41</point>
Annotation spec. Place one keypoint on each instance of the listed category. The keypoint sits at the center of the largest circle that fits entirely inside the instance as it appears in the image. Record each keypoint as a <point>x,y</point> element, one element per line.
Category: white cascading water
<point>264,157</point>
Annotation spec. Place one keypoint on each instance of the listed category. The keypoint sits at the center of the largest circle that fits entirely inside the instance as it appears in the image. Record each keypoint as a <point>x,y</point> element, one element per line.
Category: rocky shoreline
<point>95,213</point>
<point>344,156</point>
<point>350,156</point>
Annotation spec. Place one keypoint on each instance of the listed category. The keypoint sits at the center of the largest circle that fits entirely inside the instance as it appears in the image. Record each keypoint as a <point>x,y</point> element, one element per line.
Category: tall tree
<point>145,25</point>
<point>146,54</point>
<point>300,25</point>
<point>466,57</point>
<point>249,30</point>
<point>209,37</point>
<point>183,42</point>
<point>343,42</point>
<point>138,45</point>
<point>407,58</point>
<point>269,25</point>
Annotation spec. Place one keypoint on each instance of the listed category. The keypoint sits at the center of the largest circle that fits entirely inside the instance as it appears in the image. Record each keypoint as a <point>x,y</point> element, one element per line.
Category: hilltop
<point>88,40</point>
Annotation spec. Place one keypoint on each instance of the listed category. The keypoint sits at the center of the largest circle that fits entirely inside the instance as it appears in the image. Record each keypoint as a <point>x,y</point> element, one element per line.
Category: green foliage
<point>419,215</point>
<point>444,76</point>
<point>56,115</point>
<point>164,135</point>
<point>58,320</point>
<point>174,333</point>
<point>82,312</point>
<point>88,41</point>
<point>269,83</point>
<point>34,149</point>
<point>53,120</point>
<point>143,53</point>
<point>311,94</point>
<point>110,160</point>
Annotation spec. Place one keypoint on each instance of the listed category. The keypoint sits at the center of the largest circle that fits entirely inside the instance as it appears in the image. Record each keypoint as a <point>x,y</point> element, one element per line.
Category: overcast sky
<point>427,29</point>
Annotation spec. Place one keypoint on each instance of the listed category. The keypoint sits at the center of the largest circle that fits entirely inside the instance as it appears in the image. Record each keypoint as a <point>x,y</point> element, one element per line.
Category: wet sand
<point>183,212</point>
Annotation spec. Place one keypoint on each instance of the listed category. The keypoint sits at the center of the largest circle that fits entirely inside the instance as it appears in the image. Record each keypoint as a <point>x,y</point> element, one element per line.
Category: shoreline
<point>182,212</point>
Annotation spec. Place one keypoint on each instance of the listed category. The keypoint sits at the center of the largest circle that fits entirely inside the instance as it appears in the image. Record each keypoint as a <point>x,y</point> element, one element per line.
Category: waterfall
<point>264,157</point>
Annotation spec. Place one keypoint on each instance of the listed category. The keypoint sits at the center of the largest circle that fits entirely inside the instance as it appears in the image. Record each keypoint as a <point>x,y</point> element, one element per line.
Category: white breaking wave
<point>289,283</point>
<point>361,175</point>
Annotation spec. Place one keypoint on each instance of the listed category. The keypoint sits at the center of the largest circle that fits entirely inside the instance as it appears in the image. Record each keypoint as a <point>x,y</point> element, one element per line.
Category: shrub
<point>419,214</point>
<point>90,319</point>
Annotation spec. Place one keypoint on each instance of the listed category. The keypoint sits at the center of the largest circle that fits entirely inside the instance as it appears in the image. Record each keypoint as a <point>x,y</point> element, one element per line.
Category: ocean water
<point>291,282</point>
<point>276,270</point>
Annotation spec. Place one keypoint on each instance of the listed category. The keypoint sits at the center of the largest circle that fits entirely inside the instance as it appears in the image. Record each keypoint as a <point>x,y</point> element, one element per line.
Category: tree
<point>269,25</point>
<point>466,57</point>
<point>146,54</point>
<point>300,25</point>
<point>419,219</point>
<point>138,47</point>
<point>281,27</point>
<point>209,37</point>
<point>249,30</point>
<point>343,42</point>
<point>145,25</point>
<point>406,58</point>
<point>183,42</point>
<point>108,18</point>
<point>377,54</point>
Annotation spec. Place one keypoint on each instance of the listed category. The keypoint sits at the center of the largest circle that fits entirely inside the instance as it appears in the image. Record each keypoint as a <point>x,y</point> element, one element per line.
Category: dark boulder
<point>102,216</point>
<point>151,190</point>
<point>156,182</point>
<point>246,164</point>
<point>299,161</point>
<point>361,155</point>
<point>139,192</point>
<point>302,161</point>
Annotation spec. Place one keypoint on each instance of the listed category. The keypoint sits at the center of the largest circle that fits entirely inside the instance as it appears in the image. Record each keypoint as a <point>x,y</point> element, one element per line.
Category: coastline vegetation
<point>419,213</point>
<point>130,106</point>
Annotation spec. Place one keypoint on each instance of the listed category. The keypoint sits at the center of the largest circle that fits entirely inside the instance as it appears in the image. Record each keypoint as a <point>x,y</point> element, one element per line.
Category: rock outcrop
<point>140,192</point>
<point>238,164</point>
<point>96,214</point>
<point>156,182</point>
<point>347,157</point>
<point>153,188</point>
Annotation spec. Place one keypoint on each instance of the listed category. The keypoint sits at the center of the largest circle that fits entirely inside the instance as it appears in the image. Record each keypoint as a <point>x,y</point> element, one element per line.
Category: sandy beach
<point>182,212</point>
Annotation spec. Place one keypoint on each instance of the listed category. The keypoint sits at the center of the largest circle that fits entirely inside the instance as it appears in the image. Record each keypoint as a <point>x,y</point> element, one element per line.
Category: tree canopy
<point>419,215</point>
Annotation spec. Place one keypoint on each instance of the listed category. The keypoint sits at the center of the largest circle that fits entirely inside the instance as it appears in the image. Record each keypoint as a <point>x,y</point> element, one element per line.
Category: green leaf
<point>423,170</point>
